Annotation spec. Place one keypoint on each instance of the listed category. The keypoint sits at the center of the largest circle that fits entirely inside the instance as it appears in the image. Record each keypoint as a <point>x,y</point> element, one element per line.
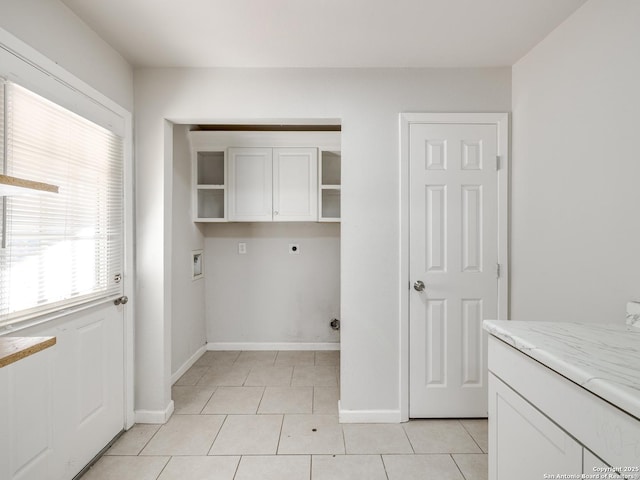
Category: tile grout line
<point>164,467</point>
<point>384,465</point>
<point>457,466</point>
<point>471,435</point>
<point>247,377</point>
<point>150,438</point>
<point>280,435</point>
<point>235,473</point>
<point>264,390</point>
<point>217,434</point>
<point>344,437</point>
<point>215,389</point>
<point>408,439</point>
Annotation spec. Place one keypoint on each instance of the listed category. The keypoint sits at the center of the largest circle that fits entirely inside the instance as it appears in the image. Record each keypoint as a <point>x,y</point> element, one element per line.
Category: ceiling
<point>323,33</point>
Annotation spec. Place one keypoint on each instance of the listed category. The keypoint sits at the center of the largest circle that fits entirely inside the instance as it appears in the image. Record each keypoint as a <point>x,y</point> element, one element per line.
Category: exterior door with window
<point>454,236</point>
<point>61,267</point>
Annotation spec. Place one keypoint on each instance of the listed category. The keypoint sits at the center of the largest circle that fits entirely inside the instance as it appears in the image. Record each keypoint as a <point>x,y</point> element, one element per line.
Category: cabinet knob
<point>275,213</point>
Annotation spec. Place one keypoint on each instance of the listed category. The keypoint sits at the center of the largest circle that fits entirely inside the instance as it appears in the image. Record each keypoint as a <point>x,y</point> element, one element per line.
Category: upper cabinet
<point>266,176</point>
<point>279,184</point>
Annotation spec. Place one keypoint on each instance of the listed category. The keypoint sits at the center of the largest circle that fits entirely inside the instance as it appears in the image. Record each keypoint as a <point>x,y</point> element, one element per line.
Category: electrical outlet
<point>294,249</point>
<point>242,248</point>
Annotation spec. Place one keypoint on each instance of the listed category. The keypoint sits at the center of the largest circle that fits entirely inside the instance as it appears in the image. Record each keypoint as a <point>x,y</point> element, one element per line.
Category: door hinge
<point>497,162</point>
<point>497,270</point>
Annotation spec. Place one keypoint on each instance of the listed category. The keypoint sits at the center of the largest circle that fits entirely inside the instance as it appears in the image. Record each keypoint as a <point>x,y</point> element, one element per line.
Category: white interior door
<point>453,249</point>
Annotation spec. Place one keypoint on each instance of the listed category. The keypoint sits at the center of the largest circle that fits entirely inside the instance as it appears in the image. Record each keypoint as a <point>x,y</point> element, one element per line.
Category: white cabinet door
<point>528,444</point>
<point>250,184</point>
<point>27,442</point>
<point>295,184</point>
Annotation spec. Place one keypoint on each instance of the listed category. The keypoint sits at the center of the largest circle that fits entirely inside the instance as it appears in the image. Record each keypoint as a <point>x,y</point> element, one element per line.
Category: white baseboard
<point>188,364</point>
<point>272,346</point>
<point>368,416</point>
<point>155,416</point>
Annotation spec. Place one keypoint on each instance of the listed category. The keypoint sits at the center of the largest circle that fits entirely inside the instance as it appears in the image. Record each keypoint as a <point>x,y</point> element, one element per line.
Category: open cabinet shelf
<point>329,193</point>
<point>210,171</point>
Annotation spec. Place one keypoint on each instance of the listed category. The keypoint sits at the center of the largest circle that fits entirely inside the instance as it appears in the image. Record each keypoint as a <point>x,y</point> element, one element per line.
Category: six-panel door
<point>453,251</point>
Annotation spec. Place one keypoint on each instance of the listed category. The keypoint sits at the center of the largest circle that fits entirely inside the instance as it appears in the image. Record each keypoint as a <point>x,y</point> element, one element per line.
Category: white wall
<point>576,169</point>
<point>51,28</point>
<point>269,295</point>
<point>368,102</point>
<point>188,305</point>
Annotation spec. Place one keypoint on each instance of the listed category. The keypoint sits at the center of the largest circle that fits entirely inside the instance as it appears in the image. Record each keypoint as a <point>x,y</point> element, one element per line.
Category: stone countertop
<point>13,349</point>
<point>602,358</point>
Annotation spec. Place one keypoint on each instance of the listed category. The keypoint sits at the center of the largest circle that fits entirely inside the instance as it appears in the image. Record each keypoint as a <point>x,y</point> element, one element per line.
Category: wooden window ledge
<point>13,349</point>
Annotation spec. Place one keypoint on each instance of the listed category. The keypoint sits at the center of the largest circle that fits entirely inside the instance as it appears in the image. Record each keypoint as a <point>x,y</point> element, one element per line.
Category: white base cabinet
<point>543,426</point>
<point>528,444</point>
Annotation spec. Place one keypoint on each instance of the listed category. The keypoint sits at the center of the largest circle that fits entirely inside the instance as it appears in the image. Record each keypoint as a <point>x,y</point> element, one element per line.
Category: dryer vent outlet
<point>335,324</point>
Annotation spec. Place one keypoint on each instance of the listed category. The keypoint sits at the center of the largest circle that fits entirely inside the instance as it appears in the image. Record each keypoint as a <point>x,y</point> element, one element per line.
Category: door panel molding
<point>437,160</point>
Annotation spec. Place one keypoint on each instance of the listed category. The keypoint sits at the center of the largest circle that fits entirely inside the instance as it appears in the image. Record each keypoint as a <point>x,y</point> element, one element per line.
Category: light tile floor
<point>274,416</point>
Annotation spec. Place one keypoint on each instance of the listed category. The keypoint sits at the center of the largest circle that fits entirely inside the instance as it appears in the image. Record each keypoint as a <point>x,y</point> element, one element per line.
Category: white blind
<point>67,248</point>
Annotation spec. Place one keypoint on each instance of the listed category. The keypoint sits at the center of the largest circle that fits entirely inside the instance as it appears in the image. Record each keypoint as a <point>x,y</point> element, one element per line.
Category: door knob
<point>419,286</point>
<point>121,301</point>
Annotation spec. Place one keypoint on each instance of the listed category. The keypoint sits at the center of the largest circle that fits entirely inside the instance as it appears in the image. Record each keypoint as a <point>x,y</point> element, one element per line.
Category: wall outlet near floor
<point>242,248</point>
<point>294,248</point>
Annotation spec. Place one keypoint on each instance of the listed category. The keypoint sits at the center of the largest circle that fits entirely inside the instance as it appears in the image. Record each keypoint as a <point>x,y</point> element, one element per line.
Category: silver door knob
<point>419,286</point>
<point>121,301</point>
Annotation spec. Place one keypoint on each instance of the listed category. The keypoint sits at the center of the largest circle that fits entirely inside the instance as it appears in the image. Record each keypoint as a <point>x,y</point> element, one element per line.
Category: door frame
<point>501,121</point>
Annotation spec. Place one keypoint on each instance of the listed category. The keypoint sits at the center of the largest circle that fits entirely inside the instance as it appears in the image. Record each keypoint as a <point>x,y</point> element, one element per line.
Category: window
<point>58,250</point>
